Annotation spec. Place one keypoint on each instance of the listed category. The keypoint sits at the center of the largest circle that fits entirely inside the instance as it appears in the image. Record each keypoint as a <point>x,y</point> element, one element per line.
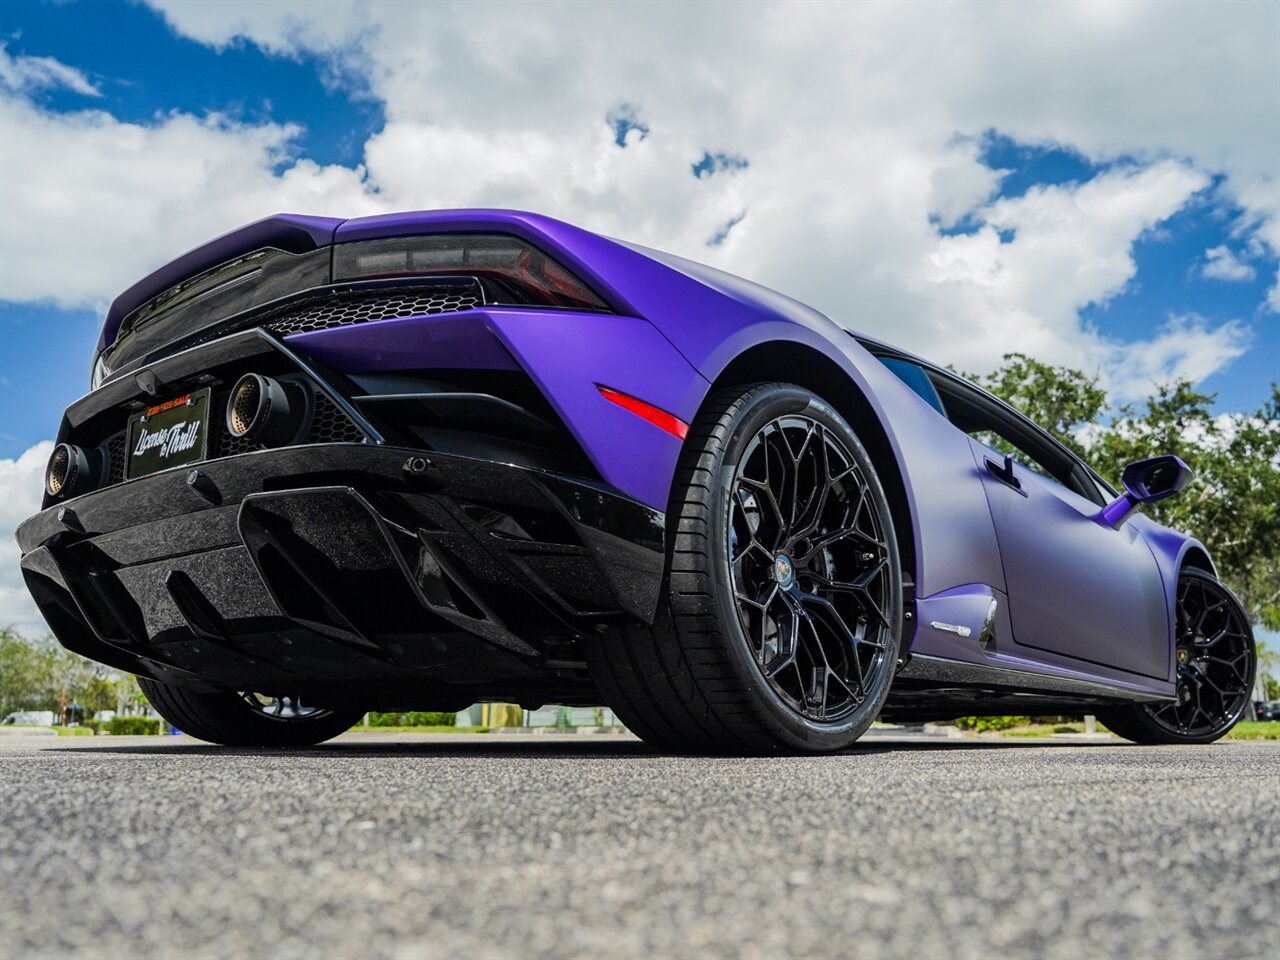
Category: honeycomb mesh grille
<point>115,459</point>
<point>228,444</point>
<point>341,311</point>
<point>330,425</point>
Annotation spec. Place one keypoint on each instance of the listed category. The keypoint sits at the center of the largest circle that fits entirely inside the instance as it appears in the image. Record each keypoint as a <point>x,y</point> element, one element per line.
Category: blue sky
<point>1170,278</point>
<point>146,72</point>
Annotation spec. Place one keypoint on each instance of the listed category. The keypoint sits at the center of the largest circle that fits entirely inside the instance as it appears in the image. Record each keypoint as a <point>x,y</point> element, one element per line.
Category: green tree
<point>27,674</point>
<point>41,675</point>
<point>1060,399</point>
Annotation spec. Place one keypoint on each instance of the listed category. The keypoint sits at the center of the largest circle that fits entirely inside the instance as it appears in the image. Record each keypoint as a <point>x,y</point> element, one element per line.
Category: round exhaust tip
<point>68,471</point>
<point>263,409</point>
<point>244,405</point>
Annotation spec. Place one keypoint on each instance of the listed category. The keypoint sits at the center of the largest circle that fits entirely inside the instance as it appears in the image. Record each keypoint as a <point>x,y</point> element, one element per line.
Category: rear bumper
<point>344,566</point>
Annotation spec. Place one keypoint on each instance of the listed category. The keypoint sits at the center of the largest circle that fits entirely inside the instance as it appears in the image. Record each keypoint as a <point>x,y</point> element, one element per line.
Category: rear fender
<point>570,356</point>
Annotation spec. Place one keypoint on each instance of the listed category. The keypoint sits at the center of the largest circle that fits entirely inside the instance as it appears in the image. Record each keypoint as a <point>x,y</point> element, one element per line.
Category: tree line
<point>39,674</point>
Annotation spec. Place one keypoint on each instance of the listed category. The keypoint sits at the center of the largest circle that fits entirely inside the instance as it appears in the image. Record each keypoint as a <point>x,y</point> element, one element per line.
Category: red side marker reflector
<point>659,418</point>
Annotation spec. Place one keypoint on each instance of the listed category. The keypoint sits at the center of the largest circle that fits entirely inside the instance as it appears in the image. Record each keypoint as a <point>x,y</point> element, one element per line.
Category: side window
<point>1001,445</point>
<point>993,425</point>
<point>914,376</point>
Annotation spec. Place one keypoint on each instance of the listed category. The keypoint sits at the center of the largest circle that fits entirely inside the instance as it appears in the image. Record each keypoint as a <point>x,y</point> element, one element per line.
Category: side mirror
<point>1146,481</point>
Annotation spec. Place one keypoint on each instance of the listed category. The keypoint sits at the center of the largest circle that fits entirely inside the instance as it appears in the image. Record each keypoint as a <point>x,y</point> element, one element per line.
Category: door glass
<point>1000,446</point>
<point>913,375</point>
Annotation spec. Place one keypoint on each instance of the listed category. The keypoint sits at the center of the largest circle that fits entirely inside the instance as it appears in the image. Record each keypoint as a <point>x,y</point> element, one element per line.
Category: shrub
<point>133,726</point>
<point>984,724</point>
<point>414,718</point>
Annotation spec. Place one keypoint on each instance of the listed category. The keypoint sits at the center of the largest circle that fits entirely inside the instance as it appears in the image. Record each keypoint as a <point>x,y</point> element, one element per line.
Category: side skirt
<point>936,688</point>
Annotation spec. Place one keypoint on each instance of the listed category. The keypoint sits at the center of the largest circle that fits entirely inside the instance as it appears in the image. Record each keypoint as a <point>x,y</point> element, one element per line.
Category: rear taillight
<point>524,273</point>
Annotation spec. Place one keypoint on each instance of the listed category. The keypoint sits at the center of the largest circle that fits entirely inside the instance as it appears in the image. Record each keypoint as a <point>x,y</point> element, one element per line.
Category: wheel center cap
<point>784,570</point>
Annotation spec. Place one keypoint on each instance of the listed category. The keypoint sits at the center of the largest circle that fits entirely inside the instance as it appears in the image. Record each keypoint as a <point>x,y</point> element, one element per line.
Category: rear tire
<point>780,623</point>
<point>244,720</point>
<point>1216,657</point>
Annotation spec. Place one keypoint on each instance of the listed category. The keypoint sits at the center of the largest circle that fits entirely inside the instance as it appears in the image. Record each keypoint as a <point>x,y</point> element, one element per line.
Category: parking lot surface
<point>592,846</point>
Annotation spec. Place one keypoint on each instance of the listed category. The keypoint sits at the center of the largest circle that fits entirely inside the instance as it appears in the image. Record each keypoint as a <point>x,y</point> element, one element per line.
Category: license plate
<point>170,434</point>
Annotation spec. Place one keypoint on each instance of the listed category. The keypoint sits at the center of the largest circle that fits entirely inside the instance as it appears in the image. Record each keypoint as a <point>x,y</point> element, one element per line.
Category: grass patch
<point>360,728</point>
<point>1027,732</point>
<point>74,731</point>
<point>1047,729</point>
<point>1245,730</point>
<point>1255,730</point>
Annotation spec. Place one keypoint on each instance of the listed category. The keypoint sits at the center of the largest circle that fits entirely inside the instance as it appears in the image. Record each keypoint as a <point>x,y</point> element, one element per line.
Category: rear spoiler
<point>284,231</point>
<point>298,234</point>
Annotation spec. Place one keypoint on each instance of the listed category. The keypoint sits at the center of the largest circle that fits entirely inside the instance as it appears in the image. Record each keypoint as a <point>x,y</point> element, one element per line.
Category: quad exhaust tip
<point>68,472</point>
<point>266,410</point>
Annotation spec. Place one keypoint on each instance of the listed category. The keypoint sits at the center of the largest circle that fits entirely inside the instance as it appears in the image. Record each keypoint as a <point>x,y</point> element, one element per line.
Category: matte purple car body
<point>1083,602</point>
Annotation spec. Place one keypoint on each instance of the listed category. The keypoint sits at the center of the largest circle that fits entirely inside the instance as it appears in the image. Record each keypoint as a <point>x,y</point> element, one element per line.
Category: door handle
<point>1003,472</point>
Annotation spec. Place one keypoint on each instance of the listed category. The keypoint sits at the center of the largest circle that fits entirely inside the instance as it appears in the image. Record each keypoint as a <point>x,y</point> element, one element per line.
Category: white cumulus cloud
<point>21,486</point>
<point>1222,264</point>
<point>26,74</point>
<point>856,161</point>
<point>92,203</point>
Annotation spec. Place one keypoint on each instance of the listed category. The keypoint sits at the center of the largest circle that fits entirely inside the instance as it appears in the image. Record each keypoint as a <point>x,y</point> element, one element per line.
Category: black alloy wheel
<point>1215,659</point>
<point>280,708</point>
<point>809,563</point>
<point>780,626</point>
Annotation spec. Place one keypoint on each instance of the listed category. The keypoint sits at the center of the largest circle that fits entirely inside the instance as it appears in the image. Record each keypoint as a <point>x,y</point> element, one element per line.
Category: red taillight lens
<point>524,273</point>
<point>659,418</point>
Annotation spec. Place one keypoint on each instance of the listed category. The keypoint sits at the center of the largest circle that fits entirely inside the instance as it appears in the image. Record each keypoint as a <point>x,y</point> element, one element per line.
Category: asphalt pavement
<point>592,846</point>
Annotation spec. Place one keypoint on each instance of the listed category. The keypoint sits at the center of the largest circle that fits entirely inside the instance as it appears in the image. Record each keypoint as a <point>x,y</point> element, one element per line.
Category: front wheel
<point>1216,660</point>
<point>246,719</point>
<point>780,627</point>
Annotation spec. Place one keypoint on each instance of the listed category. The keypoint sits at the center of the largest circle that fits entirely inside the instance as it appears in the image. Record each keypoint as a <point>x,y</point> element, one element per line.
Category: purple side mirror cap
<point>1146,481</point>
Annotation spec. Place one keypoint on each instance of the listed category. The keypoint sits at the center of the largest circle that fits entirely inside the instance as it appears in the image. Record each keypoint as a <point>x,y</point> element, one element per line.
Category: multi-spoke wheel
<point>1215,662</point>
<point>280,708</point>
<point>784,605</point>
<point>246,718</point>
<point>809,561</point>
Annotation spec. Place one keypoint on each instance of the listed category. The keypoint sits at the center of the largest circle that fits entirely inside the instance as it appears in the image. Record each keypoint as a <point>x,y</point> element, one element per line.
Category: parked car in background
<point>1269,710</point>
<point>30,718</point>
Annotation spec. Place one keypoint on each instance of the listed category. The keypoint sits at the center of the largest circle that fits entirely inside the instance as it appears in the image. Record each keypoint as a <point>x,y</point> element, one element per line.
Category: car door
<point>1077,588</point>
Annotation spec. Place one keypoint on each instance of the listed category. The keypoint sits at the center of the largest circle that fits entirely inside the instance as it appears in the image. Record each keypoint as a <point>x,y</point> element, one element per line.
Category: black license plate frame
<point>162,436</point>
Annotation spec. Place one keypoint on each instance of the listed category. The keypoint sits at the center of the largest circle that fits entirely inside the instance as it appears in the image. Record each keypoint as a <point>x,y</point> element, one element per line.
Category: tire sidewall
<point>764,405</point>
<point>225,718</point>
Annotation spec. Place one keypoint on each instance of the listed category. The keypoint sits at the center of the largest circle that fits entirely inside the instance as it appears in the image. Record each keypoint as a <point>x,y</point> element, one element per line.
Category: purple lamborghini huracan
<point>414,461</point>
